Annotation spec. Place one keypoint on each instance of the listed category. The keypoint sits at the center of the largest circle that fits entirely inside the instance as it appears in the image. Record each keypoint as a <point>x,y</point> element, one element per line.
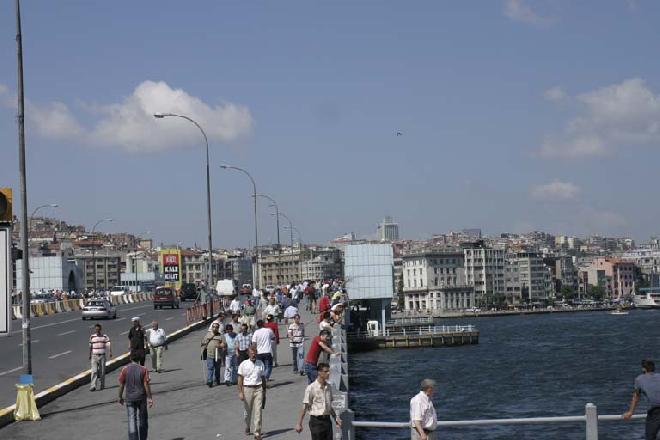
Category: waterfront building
<point>321,263</point>
<point>527,278</point>
<point>648,262</point>
<point>484,269</point>
<point>108,269</point>
<point>388,230</point>
<point>434,280</point>
<point>614,275</point>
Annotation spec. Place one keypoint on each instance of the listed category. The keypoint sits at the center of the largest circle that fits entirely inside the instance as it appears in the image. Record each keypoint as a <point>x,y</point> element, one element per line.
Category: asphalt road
<point>60,346</point>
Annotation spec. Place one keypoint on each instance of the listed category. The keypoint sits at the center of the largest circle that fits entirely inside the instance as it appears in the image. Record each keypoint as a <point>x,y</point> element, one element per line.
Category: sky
<point>514,115</point>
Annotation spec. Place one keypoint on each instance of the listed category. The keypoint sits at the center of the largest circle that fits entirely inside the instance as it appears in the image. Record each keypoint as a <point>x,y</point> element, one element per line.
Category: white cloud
<point>129,125</point>
<point>555,94</point>
<point>519,10</point>
<point>555,191</point>
<point>613,117</point>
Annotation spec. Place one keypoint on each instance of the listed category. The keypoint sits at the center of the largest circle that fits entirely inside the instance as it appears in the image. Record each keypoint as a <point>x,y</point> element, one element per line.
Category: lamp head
<point>54,205</point>
<point>159,115</point>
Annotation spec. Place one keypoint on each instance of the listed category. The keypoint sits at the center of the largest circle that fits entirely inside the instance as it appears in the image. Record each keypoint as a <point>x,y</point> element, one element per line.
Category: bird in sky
<point>399,133</point>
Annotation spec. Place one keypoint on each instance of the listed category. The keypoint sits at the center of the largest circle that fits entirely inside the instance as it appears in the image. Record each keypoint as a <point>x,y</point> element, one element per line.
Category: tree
<point>567,292</point>
<point>597,293</point>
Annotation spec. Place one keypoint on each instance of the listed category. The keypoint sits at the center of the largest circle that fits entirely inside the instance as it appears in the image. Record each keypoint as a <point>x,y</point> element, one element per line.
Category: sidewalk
<point>184,407</point>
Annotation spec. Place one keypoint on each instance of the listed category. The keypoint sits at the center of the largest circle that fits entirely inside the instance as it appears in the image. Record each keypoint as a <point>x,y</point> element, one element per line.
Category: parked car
<point>118,290</point>
<point>165,296</point>
<point>188,292</point>
<point>99,308</point>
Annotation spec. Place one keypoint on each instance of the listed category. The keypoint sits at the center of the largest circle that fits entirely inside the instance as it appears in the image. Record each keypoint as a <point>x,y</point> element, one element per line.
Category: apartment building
<point>484,269</point>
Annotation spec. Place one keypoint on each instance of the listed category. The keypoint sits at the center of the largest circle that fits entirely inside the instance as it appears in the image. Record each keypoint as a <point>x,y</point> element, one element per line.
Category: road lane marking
<point>135,308</point>
<point>66,333</point>
<point>49,325</point>
<point>171,317</point>
<point>59,354</point>
<point>10,371</point>
<point>125,333</point>
<point>120,319</point>
<point>34,342</point>
<point>141,314</point>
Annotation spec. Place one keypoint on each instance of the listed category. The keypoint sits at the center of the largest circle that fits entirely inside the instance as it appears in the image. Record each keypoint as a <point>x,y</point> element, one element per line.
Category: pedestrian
<point>326,322</point>
<point>648,384</point>
<point>264,338</point>
<point>271,309</point>
<point>230,355</point>
<point>137,340</point>
<point>423,419</point>
<point>243,341</point>
<point>99,346</point>
<point>252,391</point>
<point>220,321</point>
<point>271,324</point>
<point>213,346</point>
<point>290,312</point>
<point>317,401</point>
<point>135,379</point>
<point>157,344</point>
<point>324,303</point>
<point>296,334</point>
<point>319,344</point>
<point>235,305</point>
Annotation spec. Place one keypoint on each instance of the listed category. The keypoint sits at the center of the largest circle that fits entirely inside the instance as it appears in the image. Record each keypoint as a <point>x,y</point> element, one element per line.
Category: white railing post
<point>347,429</point>
<point>591,417</point>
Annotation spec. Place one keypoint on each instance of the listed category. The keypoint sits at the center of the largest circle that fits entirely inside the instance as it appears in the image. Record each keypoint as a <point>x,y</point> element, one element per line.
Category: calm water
<point>523,366</point>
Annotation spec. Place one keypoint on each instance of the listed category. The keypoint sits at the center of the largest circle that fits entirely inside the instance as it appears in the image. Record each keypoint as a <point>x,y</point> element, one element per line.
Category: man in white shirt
<point>318,403</point>
<point>423,419</point>
<point>271,309</point>
<point>264,338</point>
<point>235,306</point>
<point>157,339</point>
<point>252,390</point>
<point>290,312</point>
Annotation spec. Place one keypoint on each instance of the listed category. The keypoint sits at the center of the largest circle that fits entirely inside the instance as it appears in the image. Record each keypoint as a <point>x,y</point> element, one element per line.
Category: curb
<point>82,378</point>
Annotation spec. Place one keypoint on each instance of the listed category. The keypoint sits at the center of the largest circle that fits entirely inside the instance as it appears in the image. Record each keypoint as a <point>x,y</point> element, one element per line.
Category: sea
<point>524,366</point>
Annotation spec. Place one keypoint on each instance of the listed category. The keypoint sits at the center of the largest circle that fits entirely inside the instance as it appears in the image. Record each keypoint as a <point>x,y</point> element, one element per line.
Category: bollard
<point>591,417</point>
<point>26,405</point>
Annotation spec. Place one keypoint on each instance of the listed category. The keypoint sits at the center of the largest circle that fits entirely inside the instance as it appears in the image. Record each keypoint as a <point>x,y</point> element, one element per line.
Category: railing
<point>410,320</point>
<point>590,419</point>
<point>432,329</point>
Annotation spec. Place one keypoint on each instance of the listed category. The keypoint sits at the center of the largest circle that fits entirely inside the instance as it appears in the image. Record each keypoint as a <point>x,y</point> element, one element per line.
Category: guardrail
<point>432,329</point>
<point>590,419</point>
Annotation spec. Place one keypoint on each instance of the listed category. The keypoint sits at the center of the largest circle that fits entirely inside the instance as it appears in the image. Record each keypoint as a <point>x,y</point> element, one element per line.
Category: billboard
<point>170,263</point>
<point>5,280</point>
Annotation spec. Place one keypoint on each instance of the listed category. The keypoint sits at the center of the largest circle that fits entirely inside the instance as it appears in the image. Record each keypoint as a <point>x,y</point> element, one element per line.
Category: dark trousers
<point>652,423</point>
<point>141,354</point>
<point>242,356</point>
<point>320,427</point>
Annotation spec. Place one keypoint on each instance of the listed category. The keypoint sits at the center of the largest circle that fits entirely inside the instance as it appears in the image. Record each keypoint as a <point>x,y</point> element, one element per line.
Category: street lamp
<point>277,223</point>
<point>290,226</point>
<point>49,205</point>
<point>135,263</point>
<point>94,247</point>
<point>256,227</point>
<point>209,281</point>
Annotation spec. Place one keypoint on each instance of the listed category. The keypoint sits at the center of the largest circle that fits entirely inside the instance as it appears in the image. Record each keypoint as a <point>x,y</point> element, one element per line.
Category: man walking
<point>319,343</point>
<point>157,339</point>
<point>99,343</point>
<point>317,401</point>
<point>135,379</point>
<point>243,341</point>
<point>213,345</point>
<point>252,390</point>
<point>264,337</point>
<point>423,419</point>
<point>296,333</point>
<point>648,384</point>
<point>230,355</point>
<point>271,324</point>
<point>136,340</point>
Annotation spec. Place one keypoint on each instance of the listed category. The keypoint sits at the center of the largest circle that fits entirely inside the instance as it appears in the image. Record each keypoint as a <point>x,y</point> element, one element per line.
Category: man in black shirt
<point>136,341</point>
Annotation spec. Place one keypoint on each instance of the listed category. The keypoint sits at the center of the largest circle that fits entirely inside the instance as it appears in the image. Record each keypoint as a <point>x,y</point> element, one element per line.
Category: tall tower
<point>388,230</point>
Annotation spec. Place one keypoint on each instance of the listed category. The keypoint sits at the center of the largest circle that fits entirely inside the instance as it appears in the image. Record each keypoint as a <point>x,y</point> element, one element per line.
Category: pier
<point>415,337</point>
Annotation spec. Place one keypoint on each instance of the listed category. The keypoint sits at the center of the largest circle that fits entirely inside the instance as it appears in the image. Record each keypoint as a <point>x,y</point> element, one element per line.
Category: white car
<point>99,308</point>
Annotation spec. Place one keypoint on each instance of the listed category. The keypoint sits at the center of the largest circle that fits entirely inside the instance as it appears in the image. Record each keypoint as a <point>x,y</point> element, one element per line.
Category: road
<point>60,346</point>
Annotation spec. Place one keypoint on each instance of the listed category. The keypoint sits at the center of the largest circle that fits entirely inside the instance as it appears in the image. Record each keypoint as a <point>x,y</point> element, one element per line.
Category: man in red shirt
<point>324,304</point>
<point>271,324</point>
<point>319,343</point>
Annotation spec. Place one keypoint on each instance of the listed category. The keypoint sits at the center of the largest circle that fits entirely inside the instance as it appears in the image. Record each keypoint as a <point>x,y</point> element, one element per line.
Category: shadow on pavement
<point>276,432</point>
<point>80,408</point>
<point>280,384</point>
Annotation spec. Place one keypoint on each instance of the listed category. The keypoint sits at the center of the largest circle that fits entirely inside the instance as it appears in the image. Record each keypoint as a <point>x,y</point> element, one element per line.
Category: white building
<point>484,269</point>
<point>388,230</point>
<point>434,280</point>
<point>59,272</point>
<point>527,279</point>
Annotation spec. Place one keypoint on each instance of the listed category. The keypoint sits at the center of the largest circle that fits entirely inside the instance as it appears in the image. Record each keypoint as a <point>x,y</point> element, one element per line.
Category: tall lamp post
<point>256,227</point>
<point>277,223</point>
<point>94,248</point>
<point>49,205</point>
<point>209,280</point>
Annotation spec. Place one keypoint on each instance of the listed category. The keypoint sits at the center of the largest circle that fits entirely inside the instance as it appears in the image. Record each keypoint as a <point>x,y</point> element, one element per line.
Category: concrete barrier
<point>58,307</point>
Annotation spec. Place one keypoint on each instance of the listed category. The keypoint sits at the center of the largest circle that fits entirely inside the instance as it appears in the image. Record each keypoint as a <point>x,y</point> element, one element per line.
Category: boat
<point>619,311</point>
<point>647,298</point>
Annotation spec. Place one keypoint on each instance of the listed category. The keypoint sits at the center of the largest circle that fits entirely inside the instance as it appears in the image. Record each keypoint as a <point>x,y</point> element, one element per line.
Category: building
<point>237,268</point>
<point>615,276</point>
<point>54,272</point>
<point>290,265</point>
<point>527,279</point>
<point>648,262</point>
<point>142,272</point>
<point>320,264</point>
<point>484,269</point>
<point>434,280</point>
<point>108,269</point>
<point>388,230</point>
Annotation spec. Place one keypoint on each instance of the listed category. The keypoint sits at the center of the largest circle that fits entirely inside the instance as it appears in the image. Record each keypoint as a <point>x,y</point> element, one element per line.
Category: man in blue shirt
<point>647,383</point>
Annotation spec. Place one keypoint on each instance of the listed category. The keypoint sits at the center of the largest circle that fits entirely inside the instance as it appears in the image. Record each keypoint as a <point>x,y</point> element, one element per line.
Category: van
<point>226,288</point>
<point>165,296</point>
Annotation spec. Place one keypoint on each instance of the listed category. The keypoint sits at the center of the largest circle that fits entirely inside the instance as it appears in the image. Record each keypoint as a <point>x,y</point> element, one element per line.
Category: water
<point>524,366</point>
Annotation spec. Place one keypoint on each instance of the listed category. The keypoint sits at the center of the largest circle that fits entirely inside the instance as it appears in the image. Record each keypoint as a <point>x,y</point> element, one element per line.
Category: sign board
<point>170,260</point>
<point>5,280</point>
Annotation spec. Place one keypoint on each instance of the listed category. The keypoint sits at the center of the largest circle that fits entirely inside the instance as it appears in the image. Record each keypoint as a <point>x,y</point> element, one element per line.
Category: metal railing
<point>590,419</point>
<point>432,329</point>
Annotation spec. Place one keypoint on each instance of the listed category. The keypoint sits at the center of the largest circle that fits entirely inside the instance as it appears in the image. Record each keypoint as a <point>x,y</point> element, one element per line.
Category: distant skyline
<point>509,116</point>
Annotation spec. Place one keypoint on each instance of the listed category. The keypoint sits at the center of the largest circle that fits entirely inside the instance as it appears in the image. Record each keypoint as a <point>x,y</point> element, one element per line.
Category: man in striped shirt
<point>243,341</point>
<point>99,343</point>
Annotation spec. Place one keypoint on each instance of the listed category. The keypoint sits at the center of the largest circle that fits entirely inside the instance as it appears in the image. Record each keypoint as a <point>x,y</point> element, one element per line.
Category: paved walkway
<point>184,407</point>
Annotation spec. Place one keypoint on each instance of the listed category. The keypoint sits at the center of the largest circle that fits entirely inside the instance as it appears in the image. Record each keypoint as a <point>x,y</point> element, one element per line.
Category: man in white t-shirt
<point>264,338</point>
<point>423,419</point>
<point>252,390</point>
<point>235,306</point>
<point>157,339</point>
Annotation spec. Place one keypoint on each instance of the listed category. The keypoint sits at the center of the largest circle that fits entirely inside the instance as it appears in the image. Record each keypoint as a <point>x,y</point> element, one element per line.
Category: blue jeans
<point>311,372</point>
<point>230,368</point>
<point>212,370</point>
<point>138,426</point>
<point>267,359</point>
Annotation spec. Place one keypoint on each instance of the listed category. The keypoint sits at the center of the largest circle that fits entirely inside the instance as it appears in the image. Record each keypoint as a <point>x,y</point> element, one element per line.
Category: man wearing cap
<point>137,340</point>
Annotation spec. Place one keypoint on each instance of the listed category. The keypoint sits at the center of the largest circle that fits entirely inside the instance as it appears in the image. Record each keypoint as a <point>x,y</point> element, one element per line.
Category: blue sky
<point>516,115</point>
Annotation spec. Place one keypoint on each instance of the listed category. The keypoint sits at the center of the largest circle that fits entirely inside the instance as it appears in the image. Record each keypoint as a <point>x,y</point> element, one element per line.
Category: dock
<point>415,337</point>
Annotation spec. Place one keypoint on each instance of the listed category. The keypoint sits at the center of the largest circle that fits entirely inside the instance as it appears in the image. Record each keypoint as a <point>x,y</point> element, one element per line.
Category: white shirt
<point>235,305</point>
<point>319,399</point>
<point>256,293</point>
<point>264,338</point>
<point>156,337</point>
<point>252,372</point>
<point>272,309</point>
<point>291,311</point>
<point>421,408</point>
